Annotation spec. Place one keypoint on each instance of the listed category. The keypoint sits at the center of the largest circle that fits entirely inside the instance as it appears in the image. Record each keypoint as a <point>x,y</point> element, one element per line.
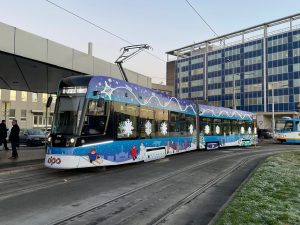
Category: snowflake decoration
<point>242,130</point>
<point>249,130</point>
<point>108,90</point>
<point>163,128</point>
<point>126,127</point>
<point>206,129</point>
<point>191,128</point>
<point>148,127</point>
<point>217,129</point>
<point>109,80</point>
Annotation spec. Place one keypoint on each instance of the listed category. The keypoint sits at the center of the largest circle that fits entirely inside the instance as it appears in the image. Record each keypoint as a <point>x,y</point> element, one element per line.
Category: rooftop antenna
<point>127,53</point>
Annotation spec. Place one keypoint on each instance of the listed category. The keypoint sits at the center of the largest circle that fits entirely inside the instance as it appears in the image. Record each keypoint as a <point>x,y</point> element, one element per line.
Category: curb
<point>15,169</point>
<point>214,219</point>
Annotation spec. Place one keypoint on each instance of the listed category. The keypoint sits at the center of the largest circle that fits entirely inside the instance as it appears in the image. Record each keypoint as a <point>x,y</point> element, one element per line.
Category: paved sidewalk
<point>28,157</point>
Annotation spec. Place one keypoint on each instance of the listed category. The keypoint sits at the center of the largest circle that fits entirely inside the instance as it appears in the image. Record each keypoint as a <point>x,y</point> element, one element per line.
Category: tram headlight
<point>71,142</point>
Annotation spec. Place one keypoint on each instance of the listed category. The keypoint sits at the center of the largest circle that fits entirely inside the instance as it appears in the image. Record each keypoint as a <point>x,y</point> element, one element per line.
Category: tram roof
<point>119,90</point>
<point>224,113</point>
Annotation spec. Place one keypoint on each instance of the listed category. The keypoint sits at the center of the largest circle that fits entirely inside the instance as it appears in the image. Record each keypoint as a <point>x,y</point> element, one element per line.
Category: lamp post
<point>273,103</point>
<point>273,113</point>
<point>233,85</point>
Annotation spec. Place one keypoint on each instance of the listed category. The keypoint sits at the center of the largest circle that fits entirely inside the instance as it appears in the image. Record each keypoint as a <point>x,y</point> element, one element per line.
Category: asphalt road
<point>182,189</point>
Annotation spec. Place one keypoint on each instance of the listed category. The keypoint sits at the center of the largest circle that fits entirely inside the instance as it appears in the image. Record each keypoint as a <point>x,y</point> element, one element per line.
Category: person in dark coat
<point>3,134</point>
<point>14,138</point>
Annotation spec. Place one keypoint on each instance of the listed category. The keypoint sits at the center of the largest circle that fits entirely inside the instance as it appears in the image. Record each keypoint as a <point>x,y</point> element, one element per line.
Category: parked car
<point>32,137</point>
<point>264,133</point>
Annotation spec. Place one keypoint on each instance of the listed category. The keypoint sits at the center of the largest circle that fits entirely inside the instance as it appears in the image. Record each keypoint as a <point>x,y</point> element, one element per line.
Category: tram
<point>290,132</point>
<point>102,121</point>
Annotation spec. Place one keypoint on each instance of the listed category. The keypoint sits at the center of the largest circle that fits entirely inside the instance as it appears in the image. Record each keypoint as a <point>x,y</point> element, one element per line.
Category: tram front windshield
<point>67,114</point>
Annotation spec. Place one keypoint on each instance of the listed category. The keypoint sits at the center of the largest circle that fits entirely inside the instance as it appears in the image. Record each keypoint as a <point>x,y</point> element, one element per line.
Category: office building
<point>244,69</point>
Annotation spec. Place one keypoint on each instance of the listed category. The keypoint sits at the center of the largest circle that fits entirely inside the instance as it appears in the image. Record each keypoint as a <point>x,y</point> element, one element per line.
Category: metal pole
<point>273,116</point>
<point>234,106</point>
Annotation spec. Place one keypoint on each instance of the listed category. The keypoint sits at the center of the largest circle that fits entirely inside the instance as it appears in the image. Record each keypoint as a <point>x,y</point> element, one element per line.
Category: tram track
<point>183,201</point>
<point>146,185</point>
<point>28,183</point>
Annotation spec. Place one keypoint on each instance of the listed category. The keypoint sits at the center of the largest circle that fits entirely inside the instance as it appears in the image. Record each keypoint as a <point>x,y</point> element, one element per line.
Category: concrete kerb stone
<point>15,169</point>
<point>214,219</point>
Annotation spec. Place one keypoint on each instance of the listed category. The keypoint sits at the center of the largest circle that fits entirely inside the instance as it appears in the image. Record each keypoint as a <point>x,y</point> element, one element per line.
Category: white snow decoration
<point>148,127</point>
<point>126,127</point>
<point>163,128</point>
<point>191,128</point>
<point>108,90</point>
<point>109,80</point>
<point>128,88</point>
<point>242,130</point>
<point>249,130</point>
<point>217,129</point>
<point>206,129</point>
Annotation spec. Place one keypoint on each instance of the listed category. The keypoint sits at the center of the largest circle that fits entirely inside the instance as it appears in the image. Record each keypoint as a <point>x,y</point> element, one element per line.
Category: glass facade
<point>219,76</point>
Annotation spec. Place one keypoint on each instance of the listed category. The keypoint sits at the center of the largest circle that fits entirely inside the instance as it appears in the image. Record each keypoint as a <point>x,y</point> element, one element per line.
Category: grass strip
<point>271,196</point>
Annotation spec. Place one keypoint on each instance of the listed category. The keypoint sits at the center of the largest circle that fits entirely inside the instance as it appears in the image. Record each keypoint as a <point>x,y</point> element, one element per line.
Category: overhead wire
<point>201,17</point>
<point>99,27</point>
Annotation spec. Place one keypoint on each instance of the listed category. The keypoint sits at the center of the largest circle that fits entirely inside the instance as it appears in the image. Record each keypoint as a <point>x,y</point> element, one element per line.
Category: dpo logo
<point>53,160</point>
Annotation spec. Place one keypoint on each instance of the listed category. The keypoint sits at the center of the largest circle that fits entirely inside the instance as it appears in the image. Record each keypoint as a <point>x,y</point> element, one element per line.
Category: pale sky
<point>164,25</point>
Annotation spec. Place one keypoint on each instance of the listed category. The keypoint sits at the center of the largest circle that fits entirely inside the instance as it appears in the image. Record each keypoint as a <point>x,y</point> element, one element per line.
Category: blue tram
<point>101,121</point>
<point>290,132</point>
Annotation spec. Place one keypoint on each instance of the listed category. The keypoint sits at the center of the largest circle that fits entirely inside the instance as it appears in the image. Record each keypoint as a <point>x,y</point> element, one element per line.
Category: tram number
<point>53,160</point>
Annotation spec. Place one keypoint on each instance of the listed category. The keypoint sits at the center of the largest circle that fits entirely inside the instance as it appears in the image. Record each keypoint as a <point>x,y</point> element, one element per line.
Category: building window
<point>253,47</point>
<point>296,52</point>
<point>12,95</point>
<point>278,70</point>
<point>296,37</point>
<point>40,121</point>
<point>44,98</point>
<point>34,97</point>
<point>12,114</point>
<point>254,60</point>
<point>278,55</point>
<point>278,41</point>
<point>23,96</point>
<point>23,114</point>
<point>296,67</point>
<point>54,97</point>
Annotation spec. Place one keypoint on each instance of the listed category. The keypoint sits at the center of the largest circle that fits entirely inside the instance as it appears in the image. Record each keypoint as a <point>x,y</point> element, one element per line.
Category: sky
<point>163,24</point>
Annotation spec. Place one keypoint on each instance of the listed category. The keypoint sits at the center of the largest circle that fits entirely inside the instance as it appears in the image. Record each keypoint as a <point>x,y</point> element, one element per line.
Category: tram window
<point>298,125</point>
<point>177,124</point>
<point>161,123</point>
<point>226,127</point>
<point>205,126</point>
<point>235,127</point>
<point>126,119</point>
<point>147,123</point>
<point>95,121</point>
<point>288,126</point>
<point>190,124</point>
<point>217,127</point>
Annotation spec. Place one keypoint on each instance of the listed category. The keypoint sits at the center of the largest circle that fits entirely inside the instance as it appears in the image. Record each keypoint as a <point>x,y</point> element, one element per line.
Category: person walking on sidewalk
<point>3,134</point>
<point>14,139</point>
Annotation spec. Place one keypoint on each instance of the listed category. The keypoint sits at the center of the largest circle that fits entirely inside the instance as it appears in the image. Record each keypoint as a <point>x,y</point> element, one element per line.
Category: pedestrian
<point>14,139</point>
<point>3,134</point>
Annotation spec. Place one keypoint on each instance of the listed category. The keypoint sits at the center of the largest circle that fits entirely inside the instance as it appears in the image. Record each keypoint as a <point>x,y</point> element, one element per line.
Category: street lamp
<point>233,85</point>
<point>273,111</point>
